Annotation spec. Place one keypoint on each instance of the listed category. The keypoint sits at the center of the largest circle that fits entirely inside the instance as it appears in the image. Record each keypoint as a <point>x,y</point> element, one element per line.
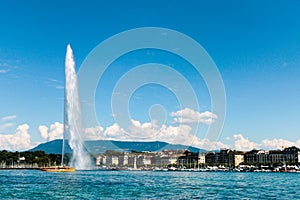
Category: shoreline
<point>26,168</point>
<point>188,170</point>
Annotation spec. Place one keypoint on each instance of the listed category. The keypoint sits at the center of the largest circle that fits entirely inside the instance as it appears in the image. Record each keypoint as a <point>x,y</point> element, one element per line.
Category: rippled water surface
<point>34,184</point>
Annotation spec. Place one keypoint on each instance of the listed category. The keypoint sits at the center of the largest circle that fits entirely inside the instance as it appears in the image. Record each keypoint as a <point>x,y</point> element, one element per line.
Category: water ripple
<point>148,185</point>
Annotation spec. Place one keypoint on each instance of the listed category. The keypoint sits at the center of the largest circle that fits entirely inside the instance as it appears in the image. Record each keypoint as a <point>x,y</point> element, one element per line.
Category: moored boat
<point>58,169</point>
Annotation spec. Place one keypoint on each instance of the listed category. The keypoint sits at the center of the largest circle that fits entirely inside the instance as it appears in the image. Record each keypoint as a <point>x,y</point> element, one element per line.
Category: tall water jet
<point>72,116</point>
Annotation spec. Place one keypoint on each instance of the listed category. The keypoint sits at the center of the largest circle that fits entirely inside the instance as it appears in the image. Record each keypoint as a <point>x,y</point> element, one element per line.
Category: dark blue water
<point>148,185</point>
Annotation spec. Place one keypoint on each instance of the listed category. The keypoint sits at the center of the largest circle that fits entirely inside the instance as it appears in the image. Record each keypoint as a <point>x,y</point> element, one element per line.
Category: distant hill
<point>54,146</point>
<point>100,146</point>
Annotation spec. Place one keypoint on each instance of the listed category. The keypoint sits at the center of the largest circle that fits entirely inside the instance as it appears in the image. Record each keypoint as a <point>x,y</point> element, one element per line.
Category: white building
<point>201,158</point>
<point>238,159</point>
<point>114,161</point>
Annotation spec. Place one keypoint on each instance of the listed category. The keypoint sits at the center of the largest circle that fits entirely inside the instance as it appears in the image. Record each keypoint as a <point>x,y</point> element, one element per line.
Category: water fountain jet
<point>72,116</point>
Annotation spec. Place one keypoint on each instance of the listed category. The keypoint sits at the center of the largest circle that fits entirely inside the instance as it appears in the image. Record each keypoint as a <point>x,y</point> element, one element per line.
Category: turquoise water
<point>32,184</point>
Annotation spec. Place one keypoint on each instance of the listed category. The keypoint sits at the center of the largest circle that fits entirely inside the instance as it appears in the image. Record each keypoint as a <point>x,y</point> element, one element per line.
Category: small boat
<point>62,167</point>
<point>58,169</point>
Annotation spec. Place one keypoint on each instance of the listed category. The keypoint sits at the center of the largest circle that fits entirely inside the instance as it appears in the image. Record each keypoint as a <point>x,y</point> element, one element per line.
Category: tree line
<point>30,159</point>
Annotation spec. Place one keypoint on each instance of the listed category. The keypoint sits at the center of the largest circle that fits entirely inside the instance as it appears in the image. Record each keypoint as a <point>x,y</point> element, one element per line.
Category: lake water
<point>33,184</point>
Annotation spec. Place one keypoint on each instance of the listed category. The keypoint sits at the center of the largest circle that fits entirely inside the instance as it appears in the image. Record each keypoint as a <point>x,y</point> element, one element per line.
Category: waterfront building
<point>143,160</point>
<point>122,159</point>
<point>125,159</point>
<point>235,159</point>
<point>257,156</point>
<point>132,160</point>
<point>201,158</point>
<point>210,158</point>
<point>114,161</point>
<point>226,157</point>
<point>156,160</point>
<point>287,155</point>
<point>222,158</point>
<point>188,159</point>
<point>101,160</point>
<point>292,154</point>
<point>167,160</point>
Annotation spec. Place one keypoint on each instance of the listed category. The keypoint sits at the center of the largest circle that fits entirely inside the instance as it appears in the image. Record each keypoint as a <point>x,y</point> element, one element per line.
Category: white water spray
<point>72,116</point>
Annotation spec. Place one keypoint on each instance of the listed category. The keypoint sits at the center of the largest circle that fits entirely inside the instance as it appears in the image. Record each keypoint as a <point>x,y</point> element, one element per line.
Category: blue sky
<point>255,45</point>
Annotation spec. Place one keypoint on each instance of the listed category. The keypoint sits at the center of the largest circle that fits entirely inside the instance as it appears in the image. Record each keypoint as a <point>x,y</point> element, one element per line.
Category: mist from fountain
<point>72,116</point>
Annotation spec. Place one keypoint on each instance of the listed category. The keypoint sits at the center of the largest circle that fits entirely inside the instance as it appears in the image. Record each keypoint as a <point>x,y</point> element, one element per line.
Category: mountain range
<point>100,146</point>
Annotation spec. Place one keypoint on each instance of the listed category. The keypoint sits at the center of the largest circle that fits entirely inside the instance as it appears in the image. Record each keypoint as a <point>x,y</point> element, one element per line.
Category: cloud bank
<point>243,143</point>
<point>55,131</point>
<point>20,140</point>
<point>180,132</point>
<point>189,116</point>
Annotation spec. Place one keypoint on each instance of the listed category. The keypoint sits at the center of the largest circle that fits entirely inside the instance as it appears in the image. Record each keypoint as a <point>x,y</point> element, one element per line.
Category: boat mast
<point>64,133</point>
<point>62,151</point>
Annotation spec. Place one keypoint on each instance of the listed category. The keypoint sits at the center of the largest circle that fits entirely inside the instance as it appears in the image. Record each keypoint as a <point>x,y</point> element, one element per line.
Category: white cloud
<point>52,80</point>
<point>20,140</point>
<point>55,131</point>
<point>189,116</point>
<point>54,83</point>
<point>276,143</point>
<point>8,118</point>
<point>59,87</point>
<point>5,125</point>
<point>150,131</point>
<point>175,134</point>
<point>210,145</point>
<point>182,135</point>
<point>143,131</point>
<point>297,143</point>
<point>94,133</point>
<point>243,144</point>
<point>43,131</point>
<point>115,132</point>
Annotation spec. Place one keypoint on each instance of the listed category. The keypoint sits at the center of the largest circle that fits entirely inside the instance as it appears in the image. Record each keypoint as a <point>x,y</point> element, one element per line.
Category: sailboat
<point>58,169</point>
<point>62,167</point>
